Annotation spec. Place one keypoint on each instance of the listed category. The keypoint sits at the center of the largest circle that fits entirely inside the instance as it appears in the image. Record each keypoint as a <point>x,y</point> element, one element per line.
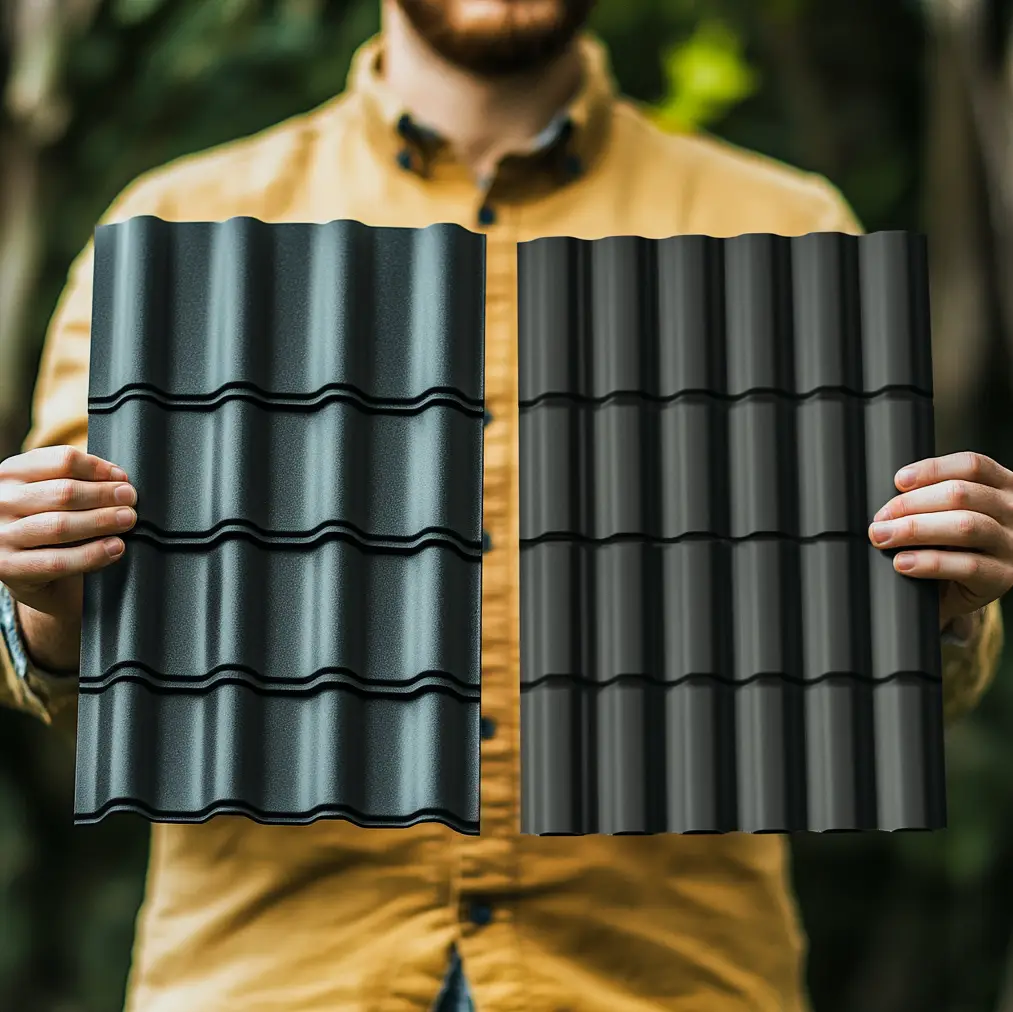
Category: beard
<point>497,38</point>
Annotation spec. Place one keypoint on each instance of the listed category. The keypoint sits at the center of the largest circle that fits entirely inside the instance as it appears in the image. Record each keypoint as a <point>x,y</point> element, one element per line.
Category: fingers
<point>65,494</point>
<point>951,494</point>
<point>983,578</point>
<point>43,565</point>
<point>59,462</point>
<point>64,527</point>
<point>968,466</point>
<point>954,528</point>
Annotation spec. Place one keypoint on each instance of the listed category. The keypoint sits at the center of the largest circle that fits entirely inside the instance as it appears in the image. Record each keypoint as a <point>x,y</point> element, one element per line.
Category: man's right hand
<point>60,512</point>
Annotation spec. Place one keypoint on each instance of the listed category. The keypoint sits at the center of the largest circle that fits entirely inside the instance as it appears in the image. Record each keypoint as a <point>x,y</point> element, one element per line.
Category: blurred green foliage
<point>909,924</point>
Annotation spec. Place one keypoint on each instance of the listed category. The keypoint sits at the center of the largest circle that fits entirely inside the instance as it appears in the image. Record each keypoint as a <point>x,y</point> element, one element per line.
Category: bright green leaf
<point>707,76</point>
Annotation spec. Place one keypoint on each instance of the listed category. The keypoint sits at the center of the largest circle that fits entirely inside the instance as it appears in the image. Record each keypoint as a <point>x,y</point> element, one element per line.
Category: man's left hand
<point>963,502</point>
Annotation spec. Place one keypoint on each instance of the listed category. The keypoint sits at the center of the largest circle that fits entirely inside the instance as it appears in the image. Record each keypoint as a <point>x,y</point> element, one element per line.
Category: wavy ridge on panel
<point>307,685</point>
<point>761,464</point>
<point>189,307</point>
<point>824,310</point>
<point>294,402</point>
<point>387,478</point>
<point>300,408</point>
<point>285,615</point>
<point>707,427</point>
<point>708,757</point>
<point>232,529</point>
<point>730,611</point>
<point>378,761</point>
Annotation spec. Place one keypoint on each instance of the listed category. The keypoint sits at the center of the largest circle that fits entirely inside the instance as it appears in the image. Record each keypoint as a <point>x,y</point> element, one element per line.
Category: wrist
<point>961,628</point>
<point>48,641</point>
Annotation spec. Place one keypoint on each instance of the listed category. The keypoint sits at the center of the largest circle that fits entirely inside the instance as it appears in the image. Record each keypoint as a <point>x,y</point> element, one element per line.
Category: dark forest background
<point>907,105</point>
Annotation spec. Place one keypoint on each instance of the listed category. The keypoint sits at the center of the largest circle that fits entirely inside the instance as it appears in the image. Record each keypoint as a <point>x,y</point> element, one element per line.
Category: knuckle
<point>967,523</point>
<point>64,492</point>
<point>974,464</point>
<point>55,526</point>
<point>67,457</point>
<point>959,493</point>
<point>57,563</point>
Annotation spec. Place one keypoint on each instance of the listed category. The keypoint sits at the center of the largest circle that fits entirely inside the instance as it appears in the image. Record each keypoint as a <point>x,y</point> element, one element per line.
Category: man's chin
<point>496,38</point>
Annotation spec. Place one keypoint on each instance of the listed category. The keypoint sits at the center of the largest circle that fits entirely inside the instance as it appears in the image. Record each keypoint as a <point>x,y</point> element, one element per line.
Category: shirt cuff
<point>48,695</point>
<point>962,630</point>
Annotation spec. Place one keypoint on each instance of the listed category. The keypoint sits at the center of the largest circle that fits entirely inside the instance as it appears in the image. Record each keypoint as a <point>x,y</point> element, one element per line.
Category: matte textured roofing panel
<point>294,631</point>
<point>709,642</point>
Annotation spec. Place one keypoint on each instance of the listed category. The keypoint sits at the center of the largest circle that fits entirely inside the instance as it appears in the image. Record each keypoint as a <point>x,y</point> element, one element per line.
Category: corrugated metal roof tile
<point>294,630</point>
<point>708,641</point>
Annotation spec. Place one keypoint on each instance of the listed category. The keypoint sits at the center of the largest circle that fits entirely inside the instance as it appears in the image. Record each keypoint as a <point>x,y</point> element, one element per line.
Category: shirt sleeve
<point>60,416</point>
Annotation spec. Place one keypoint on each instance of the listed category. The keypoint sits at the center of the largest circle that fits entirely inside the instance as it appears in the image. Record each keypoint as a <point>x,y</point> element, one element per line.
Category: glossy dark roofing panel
<point>294,631</point>
<point>708,641</point>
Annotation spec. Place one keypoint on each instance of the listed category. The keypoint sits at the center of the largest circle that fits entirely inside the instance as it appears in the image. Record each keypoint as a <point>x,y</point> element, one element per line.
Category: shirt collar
<point>582,124</point>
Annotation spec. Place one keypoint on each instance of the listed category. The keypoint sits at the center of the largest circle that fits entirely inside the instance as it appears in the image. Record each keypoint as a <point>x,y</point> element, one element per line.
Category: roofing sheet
<point>708,641</point>
<point>294,630</point>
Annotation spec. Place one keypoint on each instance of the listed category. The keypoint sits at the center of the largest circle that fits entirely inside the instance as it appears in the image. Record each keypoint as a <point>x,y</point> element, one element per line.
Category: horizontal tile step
<point>386,476</point>
<point>285,613</point>
<point>724,314</point>
<point>280,758</point>
<point>707,757</point>
<point>727,609</point>
<point>189,307</point>
<point>265,400</point>
<point>296,685</point>
<point>825,465</point>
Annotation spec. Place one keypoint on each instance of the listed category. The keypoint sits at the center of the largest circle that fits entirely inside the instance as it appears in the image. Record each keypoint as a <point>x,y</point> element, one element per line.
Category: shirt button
<point>479,913</point>
<point>404,158</point>
<point>486,418</point>
<point>486,215</point>
<point>488,728</point>
<point>573,165</point>
<point>486,542</point>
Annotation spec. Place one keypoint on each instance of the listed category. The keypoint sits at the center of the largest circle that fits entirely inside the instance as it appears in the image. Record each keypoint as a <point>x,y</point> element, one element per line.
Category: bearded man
<point>499,115</point>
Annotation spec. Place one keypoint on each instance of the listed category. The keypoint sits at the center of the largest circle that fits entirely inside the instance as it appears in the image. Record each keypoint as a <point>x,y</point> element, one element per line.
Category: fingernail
<point>126,495</point>
<point>114,548</point>
<point>905,476</point>
<point>881,532</point>
<point>905,560</point>
<point>124,517</point>
<point>118,474</point>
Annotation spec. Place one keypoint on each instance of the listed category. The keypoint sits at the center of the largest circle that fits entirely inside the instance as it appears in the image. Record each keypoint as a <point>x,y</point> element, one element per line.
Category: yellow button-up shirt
<point>240,916</point>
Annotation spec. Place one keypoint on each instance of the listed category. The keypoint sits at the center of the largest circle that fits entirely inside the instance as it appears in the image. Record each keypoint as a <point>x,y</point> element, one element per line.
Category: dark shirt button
<point>574,166</point>
<point>486,215</point>
<point>488,728</point>
<point>404,125</point>
<point>486,418</point>
<point>486,542</point>
<point>404,158</point>
<point>479,913</point>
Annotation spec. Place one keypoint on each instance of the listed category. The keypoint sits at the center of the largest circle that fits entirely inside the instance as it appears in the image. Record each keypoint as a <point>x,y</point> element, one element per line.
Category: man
<point>499,115</point>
